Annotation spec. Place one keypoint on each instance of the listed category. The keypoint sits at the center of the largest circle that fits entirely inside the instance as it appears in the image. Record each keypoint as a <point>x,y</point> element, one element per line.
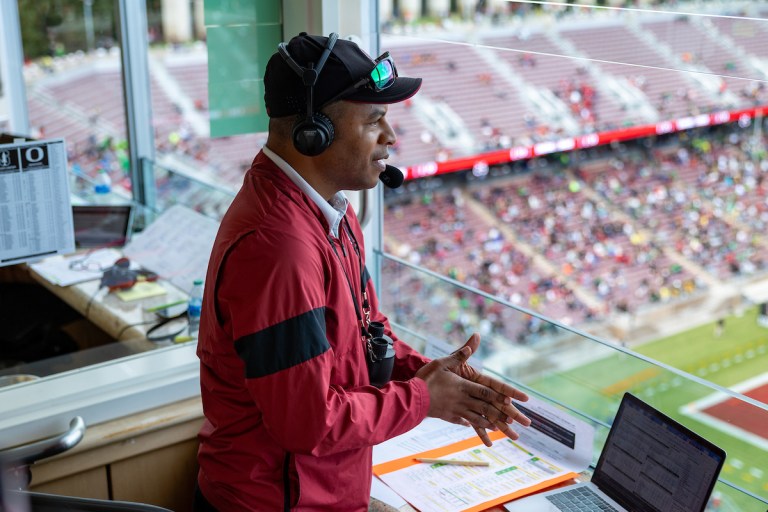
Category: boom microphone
<point>391,176</point>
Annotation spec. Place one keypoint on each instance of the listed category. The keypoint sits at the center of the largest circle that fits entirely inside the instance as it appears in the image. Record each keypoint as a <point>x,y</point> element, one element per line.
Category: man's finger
<point>517,416</point>
<point>479,421</point>
<point>483,435</point>
<point>459,357</point>
<point>501,387</point>
<point>507,431</point>
<point>509,414</point>
<point>461,354</point>
<point>494,406</point>
<point>473,342</point>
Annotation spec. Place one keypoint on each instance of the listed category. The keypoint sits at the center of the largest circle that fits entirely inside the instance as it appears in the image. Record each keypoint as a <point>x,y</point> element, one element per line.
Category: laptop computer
<point>650,462</point>
<point>99,226</point>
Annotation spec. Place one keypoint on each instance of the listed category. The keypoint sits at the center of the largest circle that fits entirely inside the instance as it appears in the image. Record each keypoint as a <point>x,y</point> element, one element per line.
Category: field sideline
<point>729,358</point>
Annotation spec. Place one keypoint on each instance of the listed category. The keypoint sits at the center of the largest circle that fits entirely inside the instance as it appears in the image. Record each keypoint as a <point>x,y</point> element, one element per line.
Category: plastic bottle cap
<point>198,281</point>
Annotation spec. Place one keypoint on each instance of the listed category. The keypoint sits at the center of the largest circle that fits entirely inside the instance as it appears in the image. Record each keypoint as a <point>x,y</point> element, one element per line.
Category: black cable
<point>90,301</point>
<point>122,331</point>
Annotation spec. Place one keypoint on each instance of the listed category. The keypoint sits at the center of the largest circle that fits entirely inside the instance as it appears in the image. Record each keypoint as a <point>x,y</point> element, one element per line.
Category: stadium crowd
<point>652,226</point>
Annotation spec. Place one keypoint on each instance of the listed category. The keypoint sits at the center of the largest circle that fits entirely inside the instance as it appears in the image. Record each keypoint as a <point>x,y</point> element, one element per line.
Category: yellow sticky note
<point>141,290</point>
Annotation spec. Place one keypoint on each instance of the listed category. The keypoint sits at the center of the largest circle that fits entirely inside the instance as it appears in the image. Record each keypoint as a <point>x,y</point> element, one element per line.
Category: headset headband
<point>309,75</point>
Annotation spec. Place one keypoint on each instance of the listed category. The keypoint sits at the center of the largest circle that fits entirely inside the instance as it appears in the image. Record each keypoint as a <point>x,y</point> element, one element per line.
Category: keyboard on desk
<point>581,499</point>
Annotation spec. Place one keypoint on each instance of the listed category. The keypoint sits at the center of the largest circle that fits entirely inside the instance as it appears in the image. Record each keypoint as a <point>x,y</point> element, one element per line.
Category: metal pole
<point>12,68</point>
<point>88,17</point>
<point>138,100</point>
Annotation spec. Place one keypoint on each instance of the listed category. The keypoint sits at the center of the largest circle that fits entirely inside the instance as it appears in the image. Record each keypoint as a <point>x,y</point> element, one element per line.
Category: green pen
<point>153,309</point>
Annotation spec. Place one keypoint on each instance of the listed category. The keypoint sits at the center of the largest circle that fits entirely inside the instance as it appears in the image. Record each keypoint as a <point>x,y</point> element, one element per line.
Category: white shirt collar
<point>333,210</point>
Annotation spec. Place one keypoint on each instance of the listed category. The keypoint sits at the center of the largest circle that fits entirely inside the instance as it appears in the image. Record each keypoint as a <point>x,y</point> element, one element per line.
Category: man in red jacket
<point>285,343</point>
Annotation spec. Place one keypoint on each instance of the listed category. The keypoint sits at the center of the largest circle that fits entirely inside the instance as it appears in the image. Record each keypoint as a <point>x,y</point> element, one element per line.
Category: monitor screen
<point>101,225</point>
<point>652,462</point>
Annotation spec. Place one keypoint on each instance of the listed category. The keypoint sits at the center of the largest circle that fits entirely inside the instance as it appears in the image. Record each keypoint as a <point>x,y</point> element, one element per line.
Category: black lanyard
<point>363,317</point>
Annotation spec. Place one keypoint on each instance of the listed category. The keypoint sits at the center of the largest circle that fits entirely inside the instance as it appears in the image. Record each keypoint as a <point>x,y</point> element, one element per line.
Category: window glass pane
<point>185,150</point>
<point>587,377</point>
<point>73,73</point>
<point>589,162</point>
<point>600,166</point>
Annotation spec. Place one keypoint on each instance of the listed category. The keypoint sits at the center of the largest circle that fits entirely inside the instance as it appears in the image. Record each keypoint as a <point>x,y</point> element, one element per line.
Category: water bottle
<point>194,308</point>
<point>103,183</point>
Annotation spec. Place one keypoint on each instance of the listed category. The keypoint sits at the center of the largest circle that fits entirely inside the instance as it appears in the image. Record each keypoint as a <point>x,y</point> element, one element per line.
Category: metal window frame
<point>132,18</point>
<point>12,68</point>
<point>138,99</point>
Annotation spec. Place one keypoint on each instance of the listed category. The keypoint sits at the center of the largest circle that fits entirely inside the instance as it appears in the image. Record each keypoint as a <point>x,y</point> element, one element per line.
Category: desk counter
<point>116,317</point>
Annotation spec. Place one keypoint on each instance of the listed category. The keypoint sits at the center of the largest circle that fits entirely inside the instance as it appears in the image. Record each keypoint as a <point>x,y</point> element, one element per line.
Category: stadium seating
<point>701,48</point>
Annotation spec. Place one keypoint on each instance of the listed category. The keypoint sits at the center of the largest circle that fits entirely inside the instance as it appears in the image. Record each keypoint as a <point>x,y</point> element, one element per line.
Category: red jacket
<point>290,414</point>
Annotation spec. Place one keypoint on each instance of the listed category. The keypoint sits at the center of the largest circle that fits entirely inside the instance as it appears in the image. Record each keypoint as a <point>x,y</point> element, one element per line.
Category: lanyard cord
<point>365,305</point>
<point>363,288</point>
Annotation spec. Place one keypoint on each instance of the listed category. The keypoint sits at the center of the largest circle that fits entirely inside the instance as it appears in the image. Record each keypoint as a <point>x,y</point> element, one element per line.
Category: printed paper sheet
<point>563,448</point>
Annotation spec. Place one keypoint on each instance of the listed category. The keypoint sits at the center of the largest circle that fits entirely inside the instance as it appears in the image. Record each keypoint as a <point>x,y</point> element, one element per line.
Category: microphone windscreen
<point>391,176</point>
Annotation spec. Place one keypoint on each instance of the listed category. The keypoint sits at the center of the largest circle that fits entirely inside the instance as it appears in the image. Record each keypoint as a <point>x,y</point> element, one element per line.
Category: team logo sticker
<point>9,160</point>
<point>34,157</point>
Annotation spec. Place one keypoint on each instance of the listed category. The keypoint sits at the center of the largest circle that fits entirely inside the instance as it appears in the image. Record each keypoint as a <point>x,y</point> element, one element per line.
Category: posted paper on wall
<point>35,206</point>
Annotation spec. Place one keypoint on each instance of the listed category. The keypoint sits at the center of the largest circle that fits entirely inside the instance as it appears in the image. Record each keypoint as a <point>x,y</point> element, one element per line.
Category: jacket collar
<point>332,210</point>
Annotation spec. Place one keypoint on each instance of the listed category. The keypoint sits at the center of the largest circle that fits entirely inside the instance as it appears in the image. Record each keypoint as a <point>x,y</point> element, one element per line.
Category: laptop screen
<point>650,462</point>
<point>101,225</point>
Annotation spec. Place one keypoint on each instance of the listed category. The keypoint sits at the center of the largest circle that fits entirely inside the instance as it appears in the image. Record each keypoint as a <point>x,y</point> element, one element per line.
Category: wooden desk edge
<point>125,437</point>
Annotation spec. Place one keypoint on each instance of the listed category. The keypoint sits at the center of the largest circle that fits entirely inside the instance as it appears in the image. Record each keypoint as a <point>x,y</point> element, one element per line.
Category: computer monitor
<point>102,225</point>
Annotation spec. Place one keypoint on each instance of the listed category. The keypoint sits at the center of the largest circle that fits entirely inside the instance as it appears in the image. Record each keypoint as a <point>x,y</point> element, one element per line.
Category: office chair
<point>15,475</point>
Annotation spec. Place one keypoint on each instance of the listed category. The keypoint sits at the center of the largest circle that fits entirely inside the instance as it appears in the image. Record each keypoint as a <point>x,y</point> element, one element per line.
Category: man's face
<point>361,143</point>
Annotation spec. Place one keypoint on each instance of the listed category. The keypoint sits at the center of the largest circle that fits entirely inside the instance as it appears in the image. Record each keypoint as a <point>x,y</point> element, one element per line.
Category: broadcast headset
<point>314,133</point>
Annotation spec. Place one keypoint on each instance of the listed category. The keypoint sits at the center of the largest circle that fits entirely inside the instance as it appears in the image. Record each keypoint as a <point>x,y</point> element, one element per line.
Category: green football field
<point>737,354</point>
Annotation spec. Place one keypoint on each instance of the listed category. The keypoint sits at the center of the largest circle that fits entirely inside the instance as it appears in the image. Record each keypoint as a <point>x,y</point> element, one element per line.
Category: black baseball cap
<point>285,94</point>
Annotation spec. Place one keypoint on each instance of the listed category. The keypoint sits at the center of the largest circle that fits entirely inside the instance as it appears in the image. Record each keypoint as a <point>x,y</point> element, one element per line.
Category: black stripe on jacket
<point>283,345</point>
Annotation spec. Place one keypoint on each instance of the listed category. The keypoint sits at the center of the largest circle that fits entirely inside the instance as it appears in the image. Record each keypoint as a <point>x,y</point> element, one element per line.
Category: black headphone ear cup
<point>313,135</point>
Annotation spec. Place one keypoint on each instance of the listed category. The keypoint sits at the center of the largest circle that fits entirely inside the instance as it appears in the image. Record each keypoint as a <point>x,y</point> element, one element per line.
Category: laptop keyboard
<point>581,499</point>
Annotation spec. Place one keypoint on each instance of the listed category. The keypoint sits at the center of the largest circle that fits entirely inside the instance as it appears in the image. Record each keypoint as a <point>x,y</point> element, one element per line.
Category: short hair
<point>282,127</point>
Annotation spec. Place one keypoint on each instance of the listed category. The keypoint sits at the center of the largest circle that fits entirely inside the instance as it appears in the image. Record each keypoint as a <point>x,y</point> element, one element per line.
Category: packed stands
<point>675,196</point>
<point>649,227</point>
<point>447,233</point>
<point>588,241</point>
